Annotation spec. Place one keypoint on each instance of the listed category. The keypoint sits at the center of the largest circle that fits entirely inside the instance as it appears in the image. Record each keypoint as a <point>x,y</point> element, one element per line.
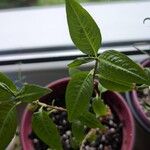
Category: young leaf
<point>101,88</point>
<point>78,131</point>
<point>31,92</point>
<point>46,130</point>
<point>116,85</point>
<point>78,94</point>
<point>90,120</point>
<point>117,67</point>
<point>99,107</point>
<point>8,123</point>
<point>79,61</point>
<point>83,30</point>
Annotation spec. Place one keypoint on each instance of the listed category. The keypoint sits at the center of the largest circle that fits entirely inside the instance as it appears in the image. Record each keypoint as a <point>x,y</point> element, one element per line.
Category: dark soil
<point>144,100</point>
<point>110,140</point>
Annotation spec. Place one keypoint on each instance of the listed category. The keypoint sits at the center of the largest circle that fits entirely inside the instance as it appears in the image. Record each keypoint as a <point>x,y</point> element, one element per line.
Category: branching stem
<point>49,106</point>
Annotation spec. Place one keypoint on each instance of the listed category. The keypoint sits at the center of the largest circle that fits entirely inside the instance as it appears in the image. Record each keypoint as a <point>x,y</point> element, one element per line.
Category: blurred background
<point>25,3</point>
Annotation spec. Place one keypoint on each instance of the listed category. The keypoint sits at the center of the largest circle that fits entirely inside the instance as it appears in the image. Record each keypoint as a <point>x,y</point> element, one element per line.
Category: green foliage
<point>83,30</point>
<point>78,94</point>
<point>147,72</point>
<point>90,120</point>
<point>7,88</point>
<point>46,130</point>
<point>101,88</point>
<point>100,109</point>
<point>73,71</point>
<point>78,131</point>
<point>114,70</point>
<point>79,61</point>
<point>8,123</point>
<point>116,85</point>
<point>117,67</point>
<point>4,79</point>
<point>31,92</point>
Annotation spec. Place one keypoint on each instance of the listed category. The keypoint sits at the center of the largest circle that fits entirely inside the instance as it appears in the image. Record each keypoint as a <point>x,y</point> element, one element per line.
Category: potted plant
<point>76,112</point>
<point>139,102</point>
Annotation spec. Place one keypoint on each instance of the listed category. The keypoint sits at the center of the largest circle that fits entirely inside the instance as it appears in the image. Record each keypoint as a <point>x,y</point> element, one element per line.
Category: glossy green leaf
<point>78,94</point>
<point>79,61</point>
<point>83,30</point>
<point>99,107</point>
<point>78,131</point>
<point>46,130</point>
<point>90,120</point>
<point>8,123</point>
<point>31,92</point>
<point>118,86</point>
<point>117,67</point>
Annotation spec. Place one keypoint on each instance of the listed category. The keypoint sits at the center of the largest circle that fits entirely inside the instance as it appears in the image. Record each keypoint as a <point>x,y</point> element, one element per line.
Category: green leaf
<point>116,85</point>
<point>147,71</point>
<point>7,81</point>
<point>78,94</point>
<point>8,123</point>
<point>99,107</point>
<point>78,131</point>
<point>117,67</point>
<point>83,30</point>
<point>6,94</point>
<point>90,120</point>
<point>79,61</point>
<point>46,130</point>
<point>101,88</point>
<point>7,88</point>
<point>73,71</point>
<point>31,92</point>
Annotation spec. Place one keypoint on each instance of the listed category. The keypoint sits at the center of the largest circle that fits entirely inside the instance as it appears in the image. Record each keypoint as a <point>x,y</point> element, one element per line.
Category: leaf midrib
<point>84,30</point>
<point>77,98</point>
<point>115,66</point>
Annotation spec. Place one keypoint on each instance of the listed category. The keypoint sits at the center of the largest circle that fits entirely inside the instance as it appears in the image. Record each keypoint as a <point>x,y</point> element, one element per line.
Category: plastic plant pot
<point>114,100</point>
<point>142,123</point>
<point>132,99</point>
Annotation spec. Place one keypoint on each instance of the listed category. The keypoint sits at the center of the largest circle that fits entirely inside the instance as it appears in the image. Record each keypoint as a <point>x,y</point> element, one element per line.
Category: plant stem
<point>95,69</point>
<point>49,106</point>
<point>92,131</point>
<point>142,51</point>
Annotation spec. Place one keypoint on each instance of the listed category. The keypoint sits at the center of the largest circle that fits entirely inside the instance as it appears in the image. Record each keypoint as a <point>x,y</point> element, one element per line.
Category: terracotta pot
<point>114,100</point>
